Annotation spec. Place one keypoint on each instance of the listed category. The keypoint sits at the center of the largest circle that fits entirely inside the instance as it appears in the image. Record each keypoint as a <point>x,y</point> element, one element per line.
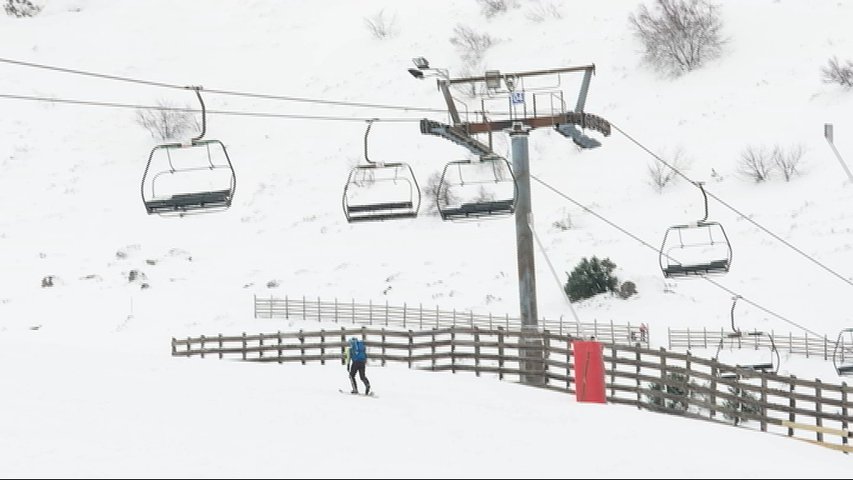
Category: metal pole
<point>827,133</point>
<point>531,343</point>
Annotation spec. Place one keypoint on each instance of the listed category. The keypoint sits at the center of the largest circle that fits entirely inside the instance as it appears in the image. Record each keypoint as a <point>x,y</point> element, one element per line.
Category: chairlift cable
<point>241,113</point>
<point>219,91</point>
<point>647,244</point>
<point>735,210</point>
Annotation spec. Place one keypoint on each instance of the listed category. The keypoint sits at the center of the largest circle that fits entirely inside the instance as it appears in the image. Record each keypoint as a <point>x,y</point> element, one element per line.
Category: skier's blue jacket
<point>356,350</point>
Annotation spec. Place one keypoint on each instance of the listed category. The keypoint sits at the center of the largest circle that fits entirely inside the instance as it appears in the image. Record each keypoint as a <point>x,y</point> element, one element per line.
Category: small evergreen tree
<point>747,402</point>
<point>591,277</point>
<point>678,384</point>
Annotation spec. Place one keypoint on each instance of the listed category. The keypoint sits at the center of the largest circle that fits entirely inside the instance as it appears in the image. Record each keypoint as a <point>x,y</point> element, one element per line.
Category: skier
<point>356,358</point>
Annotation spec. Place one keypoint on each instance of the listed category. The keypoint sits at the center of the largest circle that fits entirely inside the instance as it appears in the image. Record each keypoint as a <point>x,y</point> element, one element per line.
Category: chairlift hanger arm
<point>531,73</point>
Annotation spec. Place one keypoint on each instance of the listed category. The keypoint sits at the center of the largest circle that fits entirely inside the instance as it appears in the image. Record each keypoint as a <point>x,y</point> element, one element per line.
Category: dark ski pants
<point>358,366</point>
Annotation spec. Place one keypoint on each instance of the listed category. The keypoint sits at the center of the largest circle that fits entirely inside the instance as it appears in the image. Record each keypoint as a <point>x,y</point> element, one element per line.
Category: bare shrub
<point>380,26</point>
<point>540,11</point>
<point>490,8</point>
<point>564,222</point>
<point>470,44</point>
<point>837,73</point>
<point>434,192</point>
<point>21,8</point>
<point>681,35</point>
<point>788,162</point>
<point>660,175</point>
<point>755,163</point>
<point>167,123</point>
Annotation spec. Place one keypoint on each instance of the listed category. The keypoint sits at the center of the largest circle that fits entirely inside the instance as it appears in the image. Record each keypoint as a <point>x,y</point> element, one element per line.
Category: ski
<point>371,394</point>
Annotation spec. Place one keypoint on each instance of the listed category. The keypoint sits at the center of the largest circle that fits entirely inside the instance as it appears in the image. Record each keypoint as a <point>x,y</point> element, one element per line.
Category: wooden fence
<point>810,346</point>
<point>658,380</point>
<point>419,317</point>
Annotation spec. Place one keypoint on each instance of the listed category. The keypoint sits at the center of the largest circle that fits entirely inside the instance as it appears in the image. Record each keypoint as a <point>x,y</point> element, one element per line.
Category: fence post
<point>807,344</point>
<point>286,308</point>
<point>433,348</point>
<point>471,321</point>
<point>453,347</point>
<point>322,346</point>
<point>792,403</point>
<point>410,348</point>
<point>825,348</point>
<point>261,345</point>
<point>477,351</point>
<point>713,395</point>
<point>278,335</point>
<point>244,345</point>
<point>844,424</point>
<point>595,327</point>
<point>507,324</point>
<point>255,304</point>
<point>546,353</point>
<point>501,352</point>
<point>568,364</point>
<point>383,346</point>
<point>303,308</point>
<point>220,346</point>
<point>763,422</point>
<point>490,320</point>
<point>663,375</point>
<point>818,408</point>
<point>612,332</point>
<point>638,357</point>
<point>302,346</point>
<point>420,316</point>
<point>319,314</point>
<point>454,318</point>
<point>344,343</point>
<point>174,347</point>
<point>404,314</point>
<point>188,347</point>
<point>561,326</point>
<point>613,351</point>
<point>436,316</point>
<point>386,313</point>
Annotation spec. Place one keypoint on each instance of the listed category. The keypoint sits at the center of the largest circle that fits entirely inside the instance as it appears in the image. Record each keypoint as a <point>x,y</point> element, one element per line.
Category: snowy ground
<point>93,390</point>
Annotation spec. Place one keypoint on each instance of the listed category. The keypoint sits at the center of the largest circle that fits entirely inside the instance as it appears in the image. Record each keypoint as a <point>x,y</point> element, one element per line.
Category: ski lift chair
<point>695,249</point>
<point>476,189</point>
<point>172,186</point>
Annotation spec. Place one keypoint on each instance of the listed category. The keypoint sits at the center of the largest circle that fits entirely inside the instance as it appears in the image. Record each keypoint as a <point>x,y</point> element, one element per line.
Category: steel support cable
<point>647,244</point>
<point>738,212</point>
<point>196,110</point>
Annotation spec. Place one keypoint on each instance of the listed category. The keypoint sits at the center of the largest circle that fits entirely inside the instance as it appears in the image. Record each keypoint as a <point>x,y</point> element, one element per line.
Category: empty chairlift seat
<point>471,189</point>
<point>697,249</point>
<point>842,353</point>
<point>188,178</point>
<point>381,192</point>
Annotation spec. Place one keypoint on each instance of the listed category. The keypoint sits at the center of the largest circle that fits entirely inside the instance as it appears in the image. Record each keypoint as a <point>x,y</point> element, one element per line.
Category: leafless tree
<point>755,163</point>
<point>540,11</point>
<point>167,123</point>
<point>470,44</point>
<point>681,35</point>
<point>490,8</point>
<point>380,26</point>
<point>21,8</point>
<point>837,73</point>
<point>660,175</point>
<point>788,162</point>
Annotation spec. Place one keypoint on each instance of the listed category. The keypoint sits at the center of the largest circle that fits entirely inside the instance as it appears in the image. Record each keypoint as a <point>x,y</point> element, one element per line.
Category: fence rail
<point>810,346</point>
<point>421,317</point>
<point>657,380</point>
